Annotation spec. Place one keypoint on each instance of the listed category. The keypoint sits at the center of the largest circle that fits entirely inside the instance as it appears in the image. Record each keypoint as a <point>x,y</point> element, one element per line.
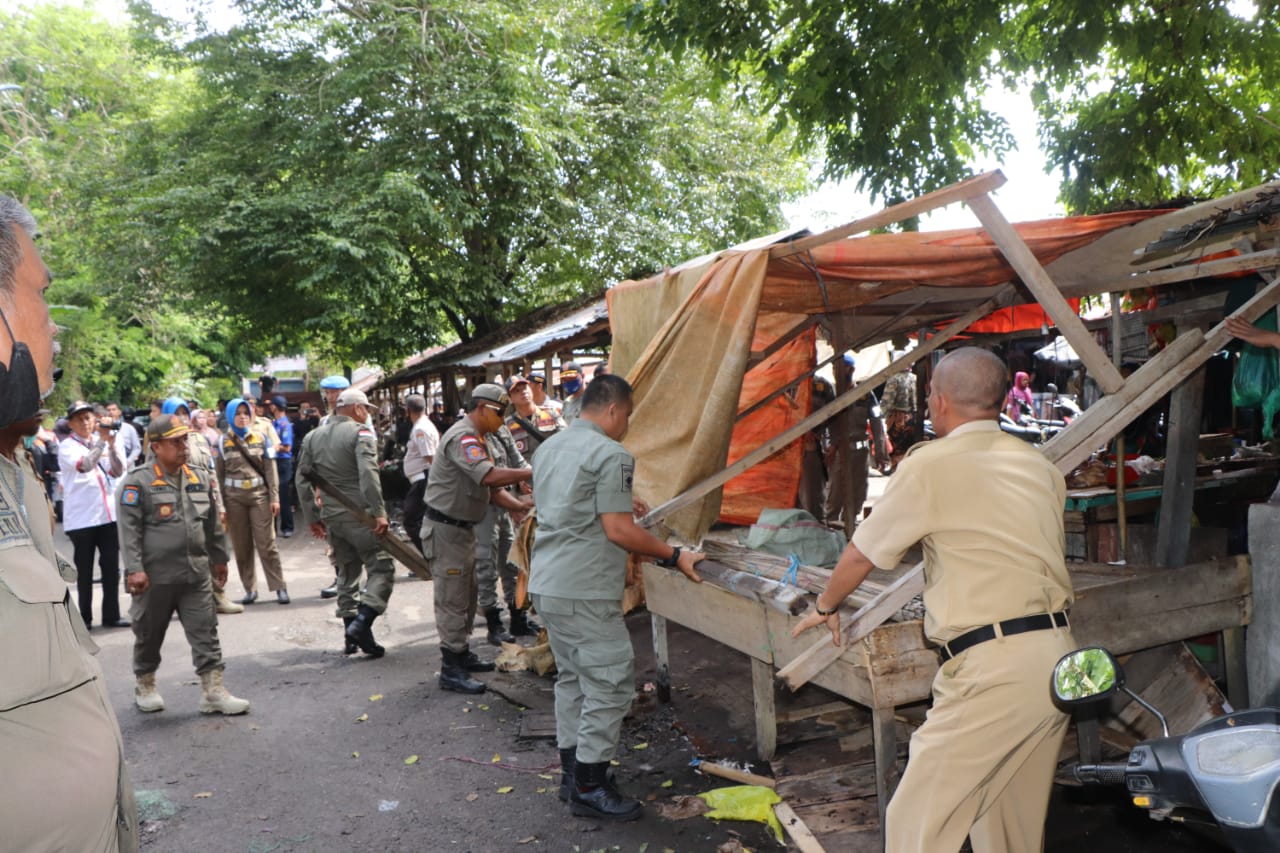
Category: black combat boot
<point>594,795</point>
<point>522,625</point>
<point>469,661</point>
<point>349,647</point>
<point>360,632</point>
<point>568,758</point>
<point>453,675</point>
<point>497,636</point>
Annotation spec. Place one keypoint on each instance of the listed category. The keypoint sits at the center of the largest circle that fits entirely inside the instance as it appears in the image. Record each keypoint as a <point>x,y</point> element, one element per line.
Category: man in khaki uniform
<point>582,479</point>
<point>343,451</point>
<point>65,785</point>
<point>251,493</point>
<point>574,385</point>
<point>987,508</point>
<point>464,480</point>
<point>172,542</point>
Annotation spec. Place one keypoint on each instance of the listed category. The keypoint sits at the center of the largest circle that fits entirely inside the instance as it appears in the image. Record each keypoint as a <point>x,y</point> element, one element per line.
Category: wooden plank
<point>766,720</point>
<point>781,341</point>
<point>1024,262</point>
<point>886,741</point>
<point>834,784</point>
<point>699,490</point>
<point>966,189</point>
<point>799,834</point>
<point>1173,533</point>
<point>403,551</point>
<point>1187,272</point>
<point>792,715</point>
<point>537,725</point>
<point>719,615</point>
<point>661,656</point>
<point>1233,640</point>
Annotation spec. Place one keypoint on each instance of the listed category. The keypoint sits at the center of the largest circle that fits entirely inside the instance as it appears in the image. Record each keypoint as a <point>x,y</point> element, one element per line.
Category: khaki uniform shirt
<point>234,466</point>
<point>169,524</point>
<point>572,408</point>
<point>462,461</point>
<point>344,452</point>
<point>579,474</point>
<point>544,420</point>
<point>987,508</point>
<point>199,455</point>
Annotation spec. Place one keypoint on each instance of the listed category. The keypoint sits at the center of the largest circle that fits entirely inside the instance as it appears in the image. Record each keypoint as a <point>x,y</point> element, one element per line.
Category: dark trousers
<point>106,541</point>
<point>285,468</point>
<point>414,506</point>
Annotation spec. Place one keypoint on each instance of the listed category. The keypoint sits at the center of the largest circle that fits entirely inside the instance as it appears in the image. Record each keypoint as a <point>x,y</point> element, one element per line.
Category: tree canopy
<point>1137,101</point>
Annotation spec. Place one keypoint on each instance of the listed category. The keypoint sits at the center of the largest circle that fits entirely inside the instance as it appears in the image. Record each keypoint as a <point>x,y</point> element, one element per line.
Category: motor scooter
<point>1224,772</point>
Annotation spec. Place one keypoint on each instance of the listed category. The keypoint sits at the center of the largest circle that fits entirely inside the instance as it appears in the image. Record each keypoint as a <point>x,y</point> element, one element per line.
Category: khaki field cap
<point>352,397</point>
<point>165,427</point>
<point>492,393</point>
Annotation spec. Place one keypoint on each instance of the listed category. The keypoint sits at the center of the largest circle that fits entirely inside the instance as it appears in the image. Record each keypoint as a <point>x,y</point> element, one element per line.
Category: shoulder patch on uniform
<point>130,496</point>
<point>365,433</point>
<point>628,476</point>
<point>473,451</point>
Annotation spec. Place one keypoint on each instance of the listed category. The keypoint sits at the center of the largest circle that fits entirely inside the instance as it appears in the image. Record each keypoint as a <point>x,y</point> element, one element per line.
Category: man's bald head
<point>973,380</point>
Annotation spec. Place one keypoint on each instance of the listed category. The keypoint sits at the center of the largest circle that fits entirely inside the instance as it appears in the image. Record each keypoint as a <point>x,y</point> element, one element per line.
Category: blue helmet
<point>172,404</point>
<point>335,382</point>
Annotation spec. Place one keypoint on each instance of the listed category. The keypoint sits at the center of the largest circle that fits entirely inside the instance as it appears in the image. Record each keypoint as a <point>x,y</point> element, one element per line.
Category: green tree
<point>1137,100</point>
<point>381,175</point>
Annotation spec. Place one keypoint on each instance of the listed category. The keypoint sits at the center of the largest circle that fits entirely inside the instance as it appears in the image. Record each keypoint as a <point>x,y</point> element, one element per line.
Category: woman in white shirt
<point>89,461</point>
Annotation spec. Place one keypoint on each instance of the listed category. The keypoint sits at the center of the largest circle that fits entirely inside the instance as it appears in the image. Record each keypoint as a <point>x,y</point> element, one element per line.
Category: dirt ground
<point>352,754</point>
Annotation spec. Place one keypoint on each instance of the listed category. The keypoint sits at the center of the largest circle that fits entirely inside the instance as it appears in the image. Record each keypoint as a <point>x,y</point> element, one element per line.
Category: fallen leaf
<point>615,762</point>
<point>496,758</point>
<point>644,847</point>
<point>355,755</point>
<point>377,697</point>
<point>546,776</point>
<point>641,746</point>
<point>529,840</point>
<point>412,759</point>
<point>540,790</point>
<point>363,718</point>
<point>472,797</point>
<point>483,707</point>
<point>506,789</point>
<point>203,795</point>
<point>668,783</point>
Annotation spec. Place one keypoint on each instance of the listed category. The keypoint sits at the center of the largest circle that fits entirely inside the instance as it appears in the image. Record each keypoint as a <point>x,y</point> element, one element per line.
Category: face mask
<point>19,382</point>
<point>571,386</point>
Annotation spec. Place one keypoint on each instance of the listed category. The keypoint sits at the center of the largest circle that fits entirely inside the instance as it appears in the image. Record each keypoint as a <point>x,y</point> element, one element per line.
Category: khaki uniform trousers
<point>250,525</point>
<point>494,536</point>
<point>151,612</point>
<point>452,553</point>
<point>856,467</point>
<point>982,764</point>
<point>356,549</point>
<point>595,680</point>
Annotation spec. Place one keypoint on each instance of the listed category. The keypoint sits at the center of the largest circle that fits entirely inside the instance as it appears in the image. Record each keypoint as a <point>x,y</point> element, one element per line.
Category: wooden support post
<point>661,657</point>
<point>1024,263</point>
<point>885,736</point>
<point>1235,667</point>
<point>766,713</point>
<point>699,490</point>
<point>1266,259</point>
<point>1173,533</point>
<point>1122,505</point>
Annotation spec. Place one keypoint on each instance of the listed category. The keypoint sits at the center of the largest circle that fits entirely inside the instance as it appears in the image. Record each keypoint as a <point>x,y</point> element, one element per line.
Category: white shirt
<point>129,443</point>
<point>424,441</point>
<point>88,497</point>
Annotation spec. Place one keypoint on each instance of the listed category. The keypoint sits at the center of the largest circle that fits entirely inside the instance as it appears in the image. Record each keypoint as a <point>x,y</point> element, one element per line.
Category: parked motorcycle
<point>1223,772</point>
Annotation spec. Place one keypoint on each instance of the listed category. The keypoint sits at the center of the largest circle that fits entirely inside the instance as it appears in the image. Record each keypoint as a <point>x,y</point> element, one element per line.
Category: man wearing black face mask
<point>65,785</point>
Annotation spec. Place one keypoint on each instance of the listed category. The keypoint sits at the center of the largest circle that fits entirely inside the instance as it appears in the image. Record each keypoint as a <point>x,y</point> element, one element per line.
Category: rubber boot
<point>145,695</point>
<point>453,676</point>
<point>497,636</point>
<point>469,661</point>
<point>224,604</point>
<point>593,795</point>
<point>522,625</point>
<point>349,647</point>
<point>360,632</point>
<point>214,698</point>
<point>568,758</point>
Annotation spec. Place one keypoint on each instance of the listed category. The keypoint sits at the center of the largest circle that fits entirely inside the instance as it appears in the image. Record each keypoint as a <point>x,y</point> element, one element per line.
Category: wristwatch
<point>672,561</point>
<point>818,608</point>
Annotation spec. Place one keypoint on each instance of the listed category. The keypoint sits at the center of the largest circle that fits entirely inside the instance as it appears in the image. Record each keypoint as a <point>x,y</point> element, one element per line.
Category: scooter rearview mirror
<point>1085,676</point>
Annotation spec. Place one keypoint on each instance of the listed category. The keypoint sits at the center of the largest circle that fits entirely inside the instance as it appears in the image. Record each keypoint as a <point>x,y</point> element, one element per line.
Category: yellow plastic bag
<point>745,802</point>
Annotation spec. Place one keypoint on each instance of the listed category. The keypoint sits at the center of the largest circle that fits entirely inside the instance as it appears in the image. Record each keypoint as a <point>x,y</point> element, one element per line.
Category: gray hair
<point>12,217</point>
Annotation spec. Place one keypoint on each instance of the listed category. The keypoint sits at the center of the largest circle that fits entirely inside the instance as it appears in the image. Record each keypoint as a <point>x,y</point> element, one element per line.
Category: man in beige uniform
<point>464,479</point>
<point>987,509</point>
<point>65,785</point>
<point>251,501</point>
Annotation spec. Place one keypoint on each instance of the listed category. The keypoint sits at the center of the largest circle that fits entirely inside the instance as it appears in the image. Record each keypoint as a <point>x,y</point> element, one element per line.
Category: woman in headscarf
<point>1019,396</point>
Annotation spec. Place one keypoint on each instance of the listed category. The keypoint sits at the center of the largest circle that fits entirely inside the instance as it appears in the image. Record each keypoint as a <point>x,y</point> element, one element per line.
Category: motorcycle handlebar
<point>1099,774</point>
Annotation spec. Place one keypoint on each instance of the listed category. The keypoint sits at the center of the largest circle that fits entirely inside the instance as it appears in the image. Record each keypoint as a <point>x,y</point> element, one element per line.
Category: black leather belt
<point>437,515</point>
<point>1021,625</point>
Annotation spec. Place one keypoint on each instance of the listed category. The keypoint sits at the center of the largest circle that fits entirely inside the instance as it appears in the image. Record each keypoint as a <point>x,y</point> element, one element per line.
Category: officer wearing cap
<point>418,455</point>
<point>987,508</point>
<point>331,386</point>
<point>538,388</point>
<point>344,451</point>
<point>572,381</point>
<point>530,423</point>
<point>251,495</point>
<point>173,542</point>
<point>464,480</point>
